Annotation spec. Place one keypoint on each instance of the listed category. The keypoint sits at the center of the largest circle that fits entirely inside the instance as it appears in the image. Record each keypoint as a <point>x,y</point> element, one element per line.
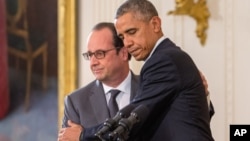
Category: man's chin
<point>138,58</point>
<point>100,78</point>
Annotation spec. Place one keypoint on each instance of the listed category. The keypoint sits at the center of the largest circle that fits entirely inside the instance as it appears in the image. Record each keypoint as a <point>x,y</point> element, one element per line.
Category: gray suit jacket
<point>87,106</point>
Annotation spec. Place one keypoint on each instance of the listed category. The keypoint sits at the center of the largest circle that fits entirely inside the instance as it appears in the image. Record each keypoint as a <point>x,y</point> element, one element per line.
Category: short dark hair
<point>142,9</point>
<point>118,43</point>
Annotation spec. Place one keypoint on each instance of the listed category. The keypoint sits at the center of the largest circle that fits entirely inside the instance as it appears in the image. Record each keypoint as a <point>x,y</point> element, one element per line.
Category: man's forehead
<point>95,45</point>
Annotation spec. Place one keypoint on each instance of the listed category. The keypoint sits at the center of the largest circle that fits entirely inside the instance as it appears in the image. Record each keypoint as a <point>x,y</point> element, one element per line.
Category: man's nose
<point>127,42</point>
<point>93,60</point>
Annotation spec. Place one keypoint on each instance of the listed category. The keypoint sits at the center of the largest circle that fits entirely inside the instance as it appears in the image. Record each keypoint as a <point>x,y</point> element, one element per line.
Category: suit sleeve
<point>70,113</point>
<point>159,84</point>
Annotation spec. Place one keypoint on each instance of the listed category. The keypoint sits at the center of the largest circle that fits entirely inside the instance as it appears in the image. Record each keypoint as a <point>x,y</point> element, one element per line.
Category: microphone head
<point>110,123</point>
<point>125,112</point>
<point>140,113</point>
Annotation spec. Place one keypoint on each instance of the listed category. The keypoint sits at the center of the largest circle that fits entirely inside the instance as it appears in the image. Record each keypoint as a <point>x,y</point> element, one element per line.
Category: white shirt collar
<point>124,96</point>
<point>156,45</point>
<point>123,87</point>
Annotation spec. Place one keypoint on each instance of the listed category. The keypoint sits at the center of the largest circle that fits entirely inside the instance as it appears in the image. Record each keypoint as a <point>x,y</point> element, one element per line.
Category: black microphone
<point>139,114</point>
<point>111,123</point>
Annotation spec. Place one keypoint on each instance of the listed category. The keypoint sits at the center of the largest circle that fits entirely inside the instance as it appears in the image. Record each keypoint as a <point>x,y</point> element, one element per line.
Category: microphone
<point>139,114</point>
<point>110,123</point>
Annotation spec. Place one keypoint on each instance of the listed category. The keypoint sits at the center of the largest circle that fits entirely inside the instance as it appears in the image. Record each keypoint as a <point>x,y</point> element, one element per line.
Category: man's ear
<point>124,53</point>
<point>156,23</point>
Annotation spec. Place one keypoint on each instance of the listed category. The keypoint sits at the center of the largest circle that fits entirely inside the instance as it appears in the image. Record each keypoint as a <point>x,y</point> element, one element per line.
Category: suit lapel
<point>98,102</point>
<point>98,99</point>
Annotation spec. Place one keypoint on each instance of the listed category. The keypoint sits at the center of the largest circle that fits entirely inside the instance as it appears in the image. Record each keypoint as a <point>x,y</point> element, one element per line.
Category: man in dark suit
<point>170,84</point>
<point>87,106</point>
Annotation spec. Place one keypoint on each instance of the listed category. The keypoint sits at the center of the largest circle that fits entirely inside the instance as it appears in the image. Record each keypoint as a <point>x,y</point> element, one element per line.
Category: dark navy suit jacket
<point>172,90</point>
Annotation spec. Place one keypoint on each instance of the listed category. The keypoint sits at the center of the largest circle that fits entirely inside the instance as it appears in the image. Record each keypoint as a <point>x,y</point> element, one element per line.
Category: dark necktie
<point>113,106</point>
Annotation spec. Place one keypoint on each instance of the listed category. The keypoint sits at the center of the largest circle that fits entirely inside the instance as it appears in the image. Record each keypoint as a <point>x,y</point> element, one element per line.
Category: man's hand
<point>71,133</point>
<point>204,83</point>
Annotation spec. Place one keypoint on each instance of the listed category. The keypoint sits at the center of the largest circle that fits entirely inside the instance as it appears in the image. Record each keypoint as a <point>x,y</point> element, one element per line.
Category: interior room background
<point>223,58</point>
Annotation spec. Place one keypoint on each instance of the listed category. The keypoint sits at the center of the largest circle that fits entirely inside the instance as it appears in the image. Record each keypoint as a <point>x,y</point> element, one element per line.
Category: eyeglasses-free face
<point>99,54</point>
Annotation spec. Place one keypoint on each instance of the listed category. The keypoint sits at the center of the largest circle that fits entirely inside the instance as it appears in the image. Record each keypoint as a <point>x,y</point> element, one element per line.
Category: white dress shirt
<point>123,97</point>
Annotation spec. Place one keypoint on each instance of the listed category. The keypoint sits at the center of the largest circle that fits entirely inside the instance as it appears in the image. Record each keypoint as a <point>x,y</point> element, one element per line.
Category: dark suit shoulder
<point>168,52</point>
<point>167,46</point>
<point>86,90</point>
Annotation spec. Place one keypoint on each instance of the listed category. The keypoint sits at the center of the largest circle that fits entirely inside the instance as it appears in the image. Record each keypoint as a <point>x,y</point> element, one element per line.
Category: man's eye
<point>99,53</point>
<point>132,31</point>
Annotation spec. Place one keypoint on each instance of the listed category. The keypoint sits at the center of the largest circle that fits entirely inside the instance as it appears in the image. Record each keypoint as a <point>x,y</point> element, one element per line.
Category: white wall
<point>224,59</point>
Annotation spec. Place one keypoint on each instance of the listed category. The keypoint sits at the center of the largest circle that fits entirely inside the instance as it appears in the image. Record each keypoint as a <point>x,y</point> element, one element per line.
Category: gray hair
<point>142,9</point>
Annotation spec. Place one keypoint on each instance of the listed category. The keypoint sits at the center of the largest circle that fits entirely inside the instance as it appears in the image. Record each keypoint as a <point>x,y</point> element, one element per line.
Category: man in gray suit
<point>108,58</point>
<point>109,62</point>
